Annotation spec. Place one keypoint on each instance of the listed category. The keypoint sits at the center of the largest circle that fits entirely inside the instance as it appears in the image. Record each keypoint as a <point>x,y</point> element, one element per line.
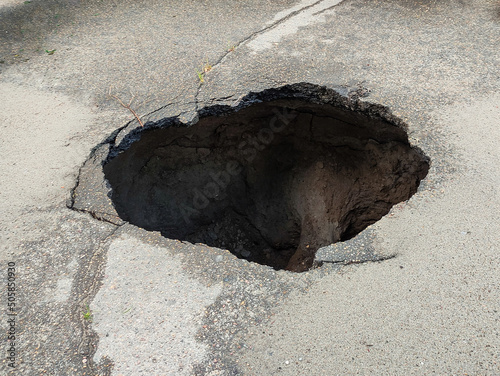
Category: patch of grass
<point>50,52</point>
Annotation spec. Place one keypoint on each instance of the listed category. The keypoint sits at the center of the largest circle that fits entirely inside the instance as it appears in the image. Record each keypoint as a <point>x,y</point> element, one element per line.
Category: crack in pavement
<point>164,106</point>
<point>352,262</point>
<point>327,5</point>
<point>315,8</point>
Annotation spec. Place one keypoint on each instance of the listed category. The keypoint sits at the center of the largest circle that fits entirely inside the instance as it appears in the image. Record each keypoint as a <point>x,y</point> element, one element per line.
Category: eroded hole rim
<point>321,97</point>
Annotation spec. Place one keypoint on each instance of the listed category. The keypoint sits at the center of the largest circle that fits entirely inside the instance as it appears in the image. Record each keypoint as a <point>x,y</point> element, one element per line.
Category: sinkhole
<point>286,172</point>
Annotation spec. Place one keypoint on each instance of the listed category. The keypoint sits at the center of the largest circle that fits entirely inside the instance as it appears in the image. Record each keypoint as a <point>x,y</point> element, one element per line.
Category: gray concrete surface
<point>96,298</point>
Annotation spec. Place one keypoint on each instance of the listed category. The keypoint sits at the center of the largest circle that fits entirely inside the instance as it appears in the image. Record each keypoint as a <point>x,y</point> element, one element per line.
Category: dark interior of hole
<point>271,183</point>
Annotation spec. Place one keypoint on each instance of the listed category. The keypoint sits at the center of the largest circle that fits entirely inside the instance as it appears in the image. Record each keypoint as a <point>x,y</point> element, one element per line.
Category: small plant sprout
<point>230,47</point>
<point>87,315</point>
<point>206,67</point>
<point>127,310</point>
<point>200,76</point>
<point>50,52</point>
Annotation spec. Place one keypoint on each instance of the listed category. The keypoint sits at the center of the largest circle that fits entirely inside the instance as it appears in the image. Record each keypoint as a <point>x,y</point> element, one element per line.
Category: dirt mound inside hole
<point>271,183</point>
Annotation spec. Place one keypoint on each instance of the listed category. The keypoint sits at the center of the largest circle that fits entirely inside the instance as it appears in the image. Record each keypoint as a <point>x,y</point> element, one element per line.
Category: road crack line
<point>253,35</point>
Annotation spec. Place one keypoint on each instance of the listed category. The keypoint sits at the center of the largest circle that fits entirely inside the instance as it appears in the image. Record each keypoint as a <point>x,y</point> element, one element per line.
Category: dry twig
<point>127,106</point>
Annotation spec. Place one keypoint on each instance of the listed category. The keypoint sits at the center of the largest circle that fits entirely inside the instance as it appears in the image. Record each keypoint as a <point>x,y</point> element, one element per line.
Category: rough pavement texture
<point>151,313</point>
<point>430,308</point>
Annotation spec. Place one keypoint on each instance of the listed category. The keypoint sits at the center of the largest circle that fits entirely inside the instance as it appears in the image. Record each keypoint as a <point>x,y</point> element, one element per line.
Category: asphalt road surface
<point>105,297</point>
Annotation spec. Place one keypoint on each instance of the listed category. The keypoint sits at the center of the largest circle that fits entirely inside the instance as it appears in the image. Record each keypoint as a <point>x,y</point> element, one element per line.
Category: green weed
<point>87,315</point>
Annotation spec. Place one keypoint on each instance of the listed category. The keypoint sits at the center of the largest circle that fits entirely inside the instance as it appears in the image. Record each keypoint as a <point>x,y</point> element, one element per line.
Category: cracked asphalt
<point>98,296</point>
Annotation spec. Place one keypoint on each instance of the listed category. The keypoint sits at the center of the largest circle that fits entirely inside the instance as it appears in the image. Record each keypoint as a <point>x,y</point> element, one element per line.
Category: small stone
<point>245,253</point>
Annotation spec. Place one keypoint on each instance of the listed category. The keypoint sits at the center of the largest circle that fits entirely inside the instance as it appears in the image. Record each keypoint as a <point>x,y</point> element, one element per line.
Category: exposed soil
<point>271,183</point>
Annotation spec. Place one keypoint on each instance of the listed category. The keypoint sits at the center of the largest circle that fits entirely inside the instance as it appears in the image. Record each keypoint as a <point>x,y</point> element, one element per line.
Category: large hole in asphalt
<point>272,182</point>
